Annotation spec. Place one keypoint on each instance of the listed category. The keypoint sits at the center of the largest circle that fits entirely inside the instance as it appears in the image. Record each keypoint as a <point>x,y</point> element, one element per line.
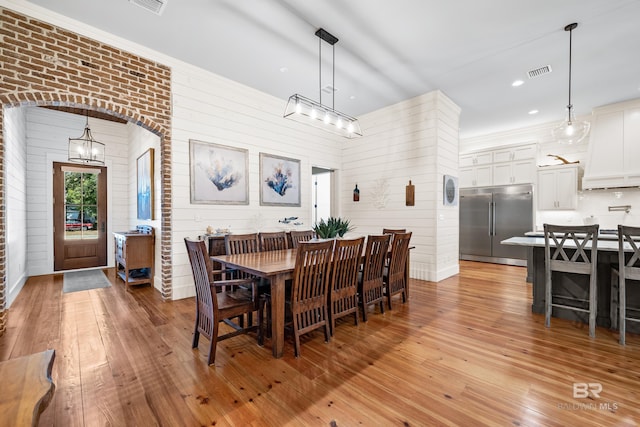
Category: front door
<point>79,216</point>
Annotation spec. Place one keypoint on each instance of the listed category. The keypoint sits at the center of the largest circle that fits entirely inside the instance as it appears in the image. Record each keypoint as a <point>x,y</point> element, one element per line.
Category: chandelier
<point>84,149</point>
<point>308,111</point>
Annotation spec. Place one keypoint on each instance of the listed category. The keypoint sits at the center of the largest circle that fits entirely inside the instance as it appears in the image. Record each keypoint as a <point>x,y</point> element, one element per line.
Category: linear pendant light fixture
<point>84,149</point>
<point>308,111</point>
<point>571,131</point>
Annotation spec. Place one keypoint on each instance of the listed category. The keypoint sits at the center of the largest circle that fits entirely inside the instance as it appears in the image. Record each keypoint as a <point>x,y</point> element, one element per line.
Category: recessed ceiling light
<point>517,83</point>
<point>283,69</point>
<point>352,97</point>
<point>532,112</point>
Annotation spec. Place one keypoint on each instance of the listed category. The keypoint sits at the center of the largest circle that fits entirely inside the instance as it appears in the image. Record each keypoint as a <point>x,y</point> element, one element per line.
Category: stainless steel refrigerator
<point>489,215</point>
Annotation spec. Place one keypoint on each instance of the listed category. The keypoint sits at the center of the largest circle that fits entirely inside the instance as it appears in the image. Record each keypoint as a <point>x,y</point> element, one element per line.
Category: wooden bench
<point>27,388</point>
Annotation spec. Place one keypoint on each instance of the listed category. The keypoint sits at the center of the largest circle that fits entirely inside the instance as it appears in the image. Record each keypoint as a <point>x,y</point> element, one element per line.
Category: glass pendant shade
<point>310,112</point>
<point>85,149</point>
<point>571,131</point>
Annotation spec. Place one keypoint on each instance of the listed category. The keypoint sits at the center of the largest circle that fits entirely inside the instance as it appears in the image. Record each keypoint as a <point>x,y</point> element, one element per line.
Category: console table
<point>134,252</point>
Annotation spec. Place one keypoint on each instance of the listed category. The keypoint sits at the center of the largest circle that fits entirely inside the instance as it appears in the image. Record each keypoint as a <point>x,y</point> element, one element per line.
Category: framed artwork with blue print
<point>218,173</point>
<point>144,184</point>
<point>279,181</point>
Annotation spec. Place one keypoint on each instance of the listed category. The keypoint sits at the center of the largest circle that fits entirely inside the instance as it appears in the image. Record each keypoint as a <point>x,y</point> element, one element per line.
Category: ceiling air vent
<point>537,72</point>
<point>155,6</point>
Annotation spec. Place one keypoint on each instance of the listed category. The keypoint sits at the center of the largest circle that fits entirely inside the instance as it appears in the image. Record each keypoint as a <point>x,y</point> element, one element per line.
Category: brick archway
<point>42,64</point>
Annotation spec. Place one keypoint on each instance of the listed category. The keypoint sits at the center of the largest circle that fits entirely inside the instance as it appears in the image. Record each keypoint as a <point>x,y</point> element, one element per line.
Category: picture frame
<point>279,181</point>
<point>450,192</point>
<point>218,174</point>
<point>144,185</point>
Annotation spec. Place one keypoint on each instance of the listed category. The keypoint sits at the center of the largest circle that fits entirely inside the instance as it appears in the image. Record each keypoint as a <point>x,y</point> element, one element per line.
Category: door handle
<point>493,218</point>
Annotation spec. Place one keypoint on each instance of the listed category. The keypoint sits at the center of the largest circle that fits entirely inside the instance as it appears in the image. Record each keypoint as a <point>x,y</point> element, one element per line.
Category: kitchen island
<point>576,285</point>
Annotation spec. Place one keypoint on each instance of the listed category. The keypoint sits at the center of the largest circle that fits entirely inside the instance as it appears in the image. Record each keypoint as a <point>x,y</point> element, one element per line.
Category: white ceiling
<point>389,51</point>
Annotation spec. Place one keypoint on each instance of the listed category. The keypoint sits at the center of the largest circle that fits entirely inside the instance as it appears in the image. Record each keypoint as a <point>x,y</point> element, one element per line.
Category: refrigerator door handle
<point>493,218</point>
<point>490,216</point>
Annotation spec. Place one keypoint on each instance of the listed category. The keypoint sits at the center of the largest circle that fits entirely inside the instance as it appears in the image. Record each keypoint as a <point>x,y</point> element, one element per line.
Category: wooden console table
<point>135,255</point>
<point>27,388</point>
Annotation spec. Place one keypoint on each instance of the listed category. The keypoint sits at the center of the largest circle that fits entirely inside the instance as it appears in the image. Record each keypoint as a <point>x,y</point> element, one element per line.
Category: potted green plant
<point>333,227</point>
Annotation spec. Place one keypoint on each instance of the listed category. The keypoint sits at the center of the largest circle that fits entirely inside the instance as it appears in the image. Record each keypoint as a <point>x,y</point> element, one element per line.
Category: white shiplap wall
<point>209,108</point>
<point>15,130</point>
<point>413,140</point>
<point>48,134</point>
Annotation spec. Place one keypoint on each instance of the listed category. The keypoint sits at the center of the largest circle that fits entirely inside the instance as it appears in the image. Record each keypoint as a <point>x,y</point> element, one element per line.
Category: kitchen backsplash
<point>597,203</point>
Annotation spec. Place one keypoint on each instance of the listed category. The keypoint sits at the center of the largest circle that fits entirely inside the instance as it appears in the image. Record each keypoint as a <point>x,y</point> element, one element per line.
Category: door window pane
<point>81,208</point>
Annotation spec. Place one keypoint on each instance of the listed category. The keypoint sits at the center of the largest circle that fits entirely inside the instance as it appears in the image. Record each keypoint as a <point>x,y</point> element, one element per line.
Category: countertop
<point>603,245</point>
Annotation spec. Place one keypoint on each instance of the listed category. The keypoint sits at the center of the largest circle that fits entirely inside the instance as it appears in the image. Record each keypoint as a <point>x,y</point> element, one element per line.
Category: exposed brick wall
<point>41,64</point>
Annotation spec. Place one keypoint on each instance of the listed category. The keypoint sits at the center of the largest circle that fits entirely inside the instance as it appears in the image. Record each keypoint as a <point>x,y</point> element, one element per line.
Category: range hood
<point>614,147</point>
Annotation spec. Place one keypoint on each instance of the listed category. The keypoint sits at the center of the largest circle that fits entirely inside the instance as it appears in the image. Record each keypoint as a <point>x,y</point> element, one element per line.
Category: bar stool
<point>577,239</point>
<point>625,270</point>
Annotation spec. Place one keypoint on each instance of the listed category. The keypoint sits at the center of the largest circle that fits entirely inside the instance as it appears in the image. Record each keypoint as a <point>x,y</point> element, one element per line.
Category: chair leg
<point>296,338</point>
<point>547,301</point>
<point>381,306</point>
<point>593,306</point>
<point>196,338</point>
<point>364,311</point>
<point>213,344</point>
<point>622,320</point>
<point>355,316</point>
<point>613,307</point>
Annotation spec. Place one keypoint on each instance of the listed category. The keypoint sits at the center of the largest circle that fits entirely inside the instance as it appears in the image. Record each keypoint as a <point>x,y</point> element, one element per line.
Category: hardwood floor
<point>465,351</point>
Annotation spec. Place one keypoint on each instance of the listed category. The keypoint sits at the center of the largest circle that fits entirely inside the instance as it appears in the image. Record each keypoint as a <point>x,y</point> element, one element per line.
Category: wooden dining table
<point>277,267</point>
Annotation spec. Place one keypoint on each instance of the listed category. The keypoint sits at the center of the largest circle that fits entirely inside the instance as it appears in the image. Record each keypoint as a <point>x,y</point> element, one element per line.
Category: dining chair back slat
<point>301,236</point>
<point>273,241</point>
<point>310,289</point>
<point>343,294</point>
<point>371,284</point>
<point>396,280</point>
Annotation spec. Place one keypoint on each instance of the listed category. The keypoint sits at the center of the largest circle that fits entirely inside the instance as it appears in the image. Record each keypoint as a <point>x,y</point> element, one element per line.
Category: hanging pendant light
<point>571,131</point>
<point>308,111</point>
<point>84,149</point>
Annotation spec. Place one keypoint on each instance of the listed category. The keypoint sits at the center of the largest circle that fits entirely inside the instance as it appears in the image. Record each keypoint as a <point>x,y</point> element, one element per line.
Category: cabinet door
<point>502,174</point>
<point>523,171</point>
<point>467,177</point>
<point>632,145</point>
<point>467,160</point>
<point>547,190</point>
<point>484,176</point>
<point>524,152</point>
<point>566,188</point>
<point>484,158</point>
<point>606,146</point>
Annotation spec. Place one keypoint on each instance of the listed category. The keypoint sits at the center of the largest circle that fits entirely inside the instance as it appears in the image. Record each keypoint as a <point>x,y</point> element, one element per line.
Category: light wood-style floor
<point>466,351</point>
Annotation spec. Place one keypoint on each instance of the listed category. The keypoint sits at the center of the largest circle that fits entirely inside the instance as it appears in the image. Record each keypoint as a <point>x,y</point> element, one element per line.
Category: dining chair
<point>571,249</point>
<point>309,291</point>
<point>343,293</point>
<point>301,236</point>
<point>371,283</point>
<point>395,281</point>
<point>241,243</point>
<point>394,230</point>
<point>273,241</point>
<point>628,268</point>
<point>220,301</point>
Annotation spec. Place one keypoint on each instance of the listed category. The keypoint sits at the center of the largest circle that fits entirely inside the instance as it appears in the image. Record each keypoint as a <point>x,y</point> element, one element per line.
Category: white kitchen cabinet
<point>476,159</point>
<point>614,147</point>
<point>514,164</point>
<point>520,152</point>
<point>478,176</point>
<point>516,172</point>
<point>558,187</point>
